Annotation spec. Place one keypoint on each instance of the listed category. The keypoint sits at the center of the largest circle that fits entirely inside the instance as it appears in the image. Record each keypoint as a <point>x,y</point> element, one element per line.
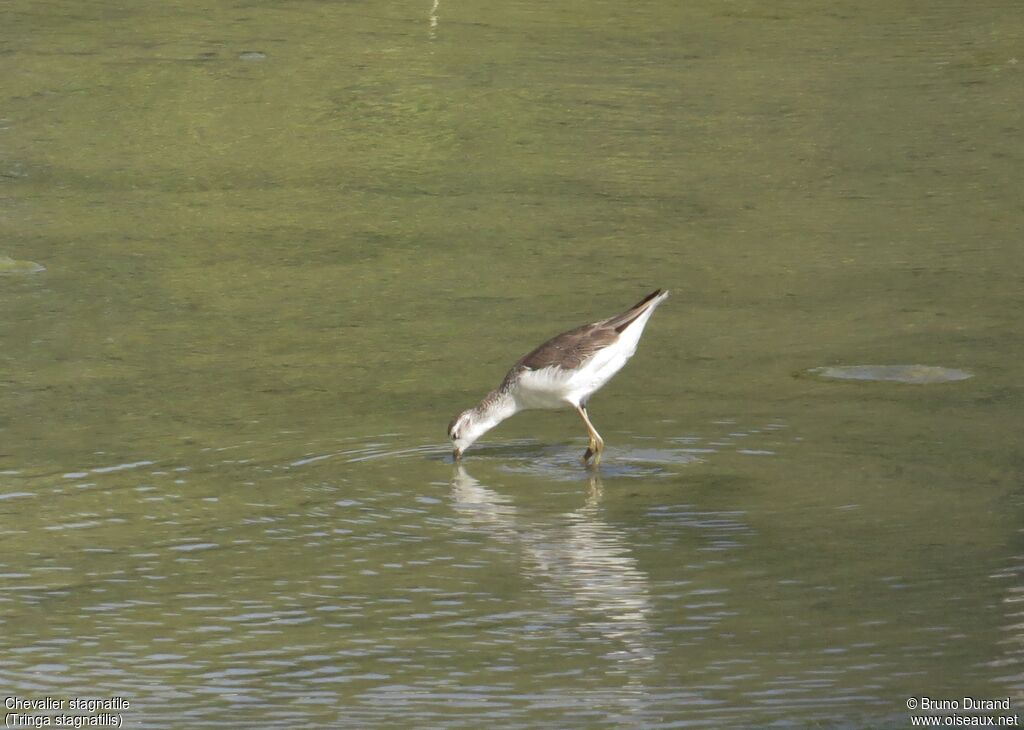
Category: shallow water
<point>284,243</point>
<point>916,374</point>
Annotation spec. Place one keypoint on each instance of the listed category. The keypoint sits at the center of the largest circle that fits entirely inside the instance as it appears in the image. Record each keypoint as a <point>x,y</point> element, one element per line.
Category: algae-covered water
<point>280,244</point>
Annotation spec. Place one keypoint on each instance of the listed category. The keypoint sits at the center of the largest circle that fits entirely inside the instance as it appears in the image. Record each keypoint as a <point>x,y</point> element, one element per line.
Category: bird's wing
<point>569,349</point>
<point>573,348</point>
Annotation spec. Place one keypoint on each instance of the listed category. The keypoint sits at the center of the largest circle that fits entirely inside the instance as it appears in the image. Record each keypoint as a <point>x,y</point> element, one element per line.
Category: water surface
<point>285,242</point>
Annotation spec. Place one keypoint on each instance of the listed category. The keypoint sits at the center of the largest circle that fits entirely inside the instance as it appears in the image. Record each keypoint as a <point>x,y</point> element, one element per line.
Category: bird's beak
<point>457,455</point>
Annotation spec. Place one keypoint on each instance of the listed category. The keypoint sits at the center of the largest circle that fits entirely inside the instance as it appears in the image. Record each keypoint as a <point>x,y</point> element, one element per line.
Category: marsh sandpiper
<point>561,373</point>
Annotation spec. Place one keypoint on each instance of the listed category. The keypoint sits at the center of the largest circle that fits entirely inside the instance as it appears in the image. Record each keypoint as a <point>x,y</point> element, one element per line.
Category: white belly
<point>557,388</point>
<point>546,388</point>
<point>598,371</point>
<point>554,387</point>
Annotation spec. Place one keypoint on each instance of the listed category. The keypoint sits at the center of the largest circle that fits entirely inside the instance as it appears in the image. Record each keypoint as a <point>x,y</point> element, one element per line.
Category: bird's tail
<point>645,305</point>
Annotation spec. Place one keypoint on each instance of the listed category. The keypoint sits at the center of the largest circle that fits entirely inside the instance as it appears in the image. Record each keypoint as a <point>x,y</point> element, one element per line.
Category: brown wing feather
<point>573,348</point>
<point>570,349</point>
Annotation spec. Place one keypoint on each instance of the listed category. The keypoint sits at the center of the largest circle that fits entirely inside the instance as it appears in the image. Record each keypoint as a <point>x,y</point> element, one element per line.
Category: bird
<point>563,372</point>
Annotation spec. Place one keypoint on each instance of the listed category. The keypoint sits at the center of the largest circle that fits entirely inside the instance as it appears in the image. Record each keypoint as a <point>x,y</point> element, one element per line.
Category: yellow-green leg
<point>596,446</point>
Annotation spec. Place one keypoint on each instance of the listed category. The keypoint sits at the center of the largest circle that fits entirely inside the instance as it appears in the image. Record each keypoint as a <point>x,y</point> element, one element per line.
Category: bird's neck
<point>495,408</point>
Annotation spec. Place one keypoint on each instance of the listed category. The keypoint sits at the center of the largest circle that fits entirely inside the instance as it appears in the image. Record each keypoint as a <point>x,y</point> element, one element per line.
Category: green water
<point>284,242</point>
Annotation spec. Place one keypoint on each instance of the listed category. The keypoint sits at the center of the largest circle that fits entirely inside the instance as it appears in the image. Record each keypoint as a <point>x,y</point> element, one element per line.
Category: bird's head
<point>464,429</point>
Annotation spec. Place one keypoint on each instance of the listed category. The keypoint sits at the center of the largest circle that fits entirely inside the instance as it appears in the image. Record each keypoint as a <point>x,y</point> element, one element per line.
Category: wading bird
<point>561,373</point>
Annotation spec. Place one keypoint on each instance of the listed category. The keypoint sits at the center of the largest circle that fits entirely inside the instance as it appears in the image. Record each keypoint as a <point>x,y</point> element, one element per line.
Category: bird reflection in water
<point>433,19</point>
<point>1011,663</point>
<point>577,559</point>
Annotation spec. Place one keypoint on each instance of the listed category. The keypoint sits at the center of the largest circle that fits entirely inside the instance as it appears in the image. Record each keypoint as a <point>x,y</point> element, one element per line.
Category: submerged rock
<point>12,266</point>
<point>917,374</point>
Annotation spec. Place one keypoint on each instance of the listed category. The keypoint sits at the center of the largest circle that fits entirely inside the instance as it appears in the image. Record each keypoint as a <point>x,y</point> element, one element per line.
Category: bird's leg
<point>596,442</point>
<point>590,432</point>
